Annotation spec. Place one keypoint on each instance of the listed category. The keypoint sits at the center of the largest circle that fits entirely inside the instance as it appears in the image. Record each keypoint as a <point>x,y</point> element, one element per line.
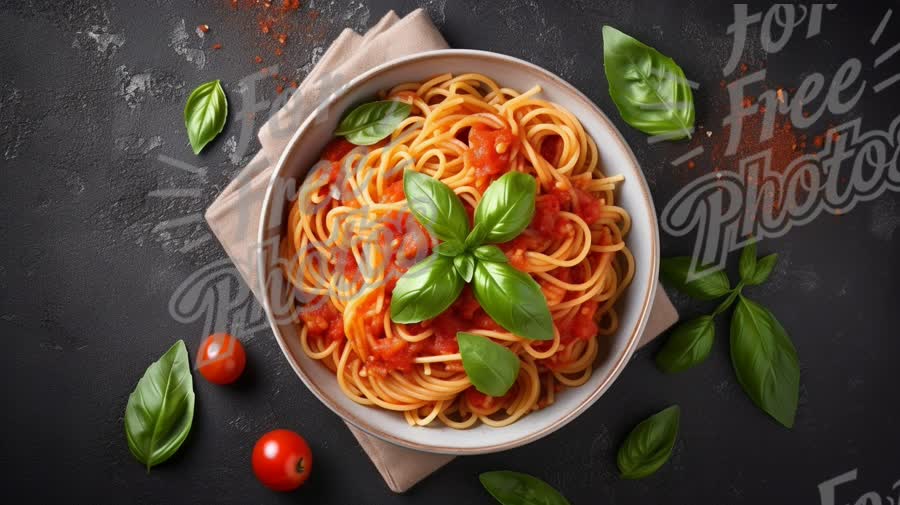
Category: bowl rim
<point>350,418</point>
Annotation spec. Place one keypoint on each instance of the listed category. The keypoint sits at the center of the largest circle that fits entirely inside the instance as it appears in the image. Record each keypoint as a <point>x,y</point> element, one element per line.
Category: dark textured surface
<point>91,94</point>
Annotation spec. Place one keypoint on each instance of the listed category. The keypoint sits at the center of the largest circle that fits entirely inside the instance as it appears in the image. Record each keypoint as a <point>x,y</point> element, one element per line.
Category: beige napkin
<point>234,216</point>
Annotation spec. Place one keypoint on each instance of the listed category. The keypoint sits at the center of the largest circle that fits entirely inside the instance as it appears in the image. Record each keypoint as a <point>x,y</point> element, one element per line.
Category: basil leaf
<point>371,122</point>
<point>490,253</point>
<point>710,286</point>
<point>451,248</point>
<point>513,488</point>
<point>747,263</point>
<point>205,113</point>
<point>160,410</point>
<point>464,264</point>
<point>689,344</point>
<point>435,206</point>
<point>764,268</point>
<point>649,89</point>
<point>506,208</point>
<point>491,368</point>
<point>476,236</point>
<point>649,445</point>
<point>426,290</point>
<point>513,299</point>
<point>765,361</point>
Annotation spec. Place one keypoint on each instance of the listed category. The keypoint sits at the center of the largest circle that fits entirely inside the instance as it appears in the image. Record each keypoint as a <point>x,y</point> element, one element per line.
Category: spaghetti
<point>350,236</point>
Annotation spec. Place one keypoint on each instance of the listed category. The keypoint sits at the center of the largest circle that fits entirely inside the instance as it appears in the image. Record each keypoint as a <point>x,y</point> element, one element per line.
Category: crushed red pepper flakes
<point>279,89</point>
<point>257,59</point>
<point>203,28</point>
<point>217,46</point>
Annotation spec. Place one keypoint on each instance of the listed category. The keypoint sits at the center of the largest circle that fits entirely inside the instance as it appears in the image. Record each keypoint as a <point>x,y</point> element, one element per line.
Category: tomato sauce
<point>489,152</point>
<point>551,149</point>
<point>393,193</point>
<point>323,320</point>
<point>481,401</point>
<point>389,354</point>
<point>337,149</point>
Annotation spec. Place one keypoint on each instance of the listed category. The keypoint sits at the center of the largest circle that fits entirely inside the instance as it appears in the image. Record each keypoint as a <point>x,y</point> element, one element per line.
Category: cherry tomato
<point>281,460</point>
<point>221,358</point>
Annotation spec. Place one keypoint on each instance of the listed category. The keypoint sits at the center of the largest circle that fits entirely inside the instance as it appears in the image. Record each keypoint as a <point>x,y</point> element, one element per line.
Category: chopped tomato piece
<point>586,206</point>
<point>337,149</point>
<point>547,220</point>
<point>322,319</point>
<point>582,326</point>
<point>393,193</point>
<point>489,152</point>
<point>389,354</point>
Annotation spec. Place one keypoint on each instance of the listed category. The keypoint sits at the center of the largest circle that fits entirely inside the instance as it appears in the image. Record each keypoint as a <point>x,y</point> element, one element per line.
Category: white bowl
<point>302,152</point>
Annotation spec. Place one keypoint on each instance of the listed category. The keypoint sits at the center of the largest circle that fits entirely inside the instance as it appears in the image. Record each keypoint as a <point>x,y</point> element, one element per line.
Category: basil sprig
<point>512,298</point>
<point>371,122</point>
<point>204,114</point>
<point>514,488</point>
<point>491,368</point>
<point>649,445</point>
<point>764,359</point>
<point>160,411</point>
<point>649,89</point>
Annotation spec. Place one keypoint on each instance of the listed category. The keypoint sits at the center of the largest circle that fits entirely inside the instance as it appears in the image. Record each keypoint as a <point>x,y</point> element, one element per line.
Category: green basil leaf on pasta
<point>490,253</point>
<point>372,122</point>
<point>764,267</point>
<point>465,266</point>
<point>506,208</point>
<point>476,236</point>
<point>649,445</point>
<point>765,361</point>
<point>435,206</point>
<point>514,488</point>
<point>747,263</point>
<point>649,89</point>
<point>205,113</point>
<point>689,344</point>
<point>709,286</point>
<point>513,300</point>
<point>160,410</point>
<point>451,248</point>
<point>426,290</point>
<point>491,368</point>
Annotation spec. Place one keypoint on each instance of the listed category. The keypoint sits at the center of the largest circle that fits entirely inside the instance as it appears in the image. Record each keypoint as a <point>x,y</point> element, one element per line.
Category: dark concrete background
<point>91,94</point>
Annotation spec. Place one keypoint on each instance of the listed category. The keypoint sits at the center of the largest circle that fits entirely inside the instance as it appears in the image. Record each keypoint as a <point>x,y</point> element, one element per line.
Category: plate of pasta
<point>459,252</point>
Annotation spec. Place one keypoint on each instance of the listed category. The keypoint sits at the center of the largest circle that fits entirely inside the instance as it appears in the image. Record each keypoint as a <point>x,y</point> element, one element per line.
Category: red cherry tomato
<point>221,358</point>
<point>281,460</point>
